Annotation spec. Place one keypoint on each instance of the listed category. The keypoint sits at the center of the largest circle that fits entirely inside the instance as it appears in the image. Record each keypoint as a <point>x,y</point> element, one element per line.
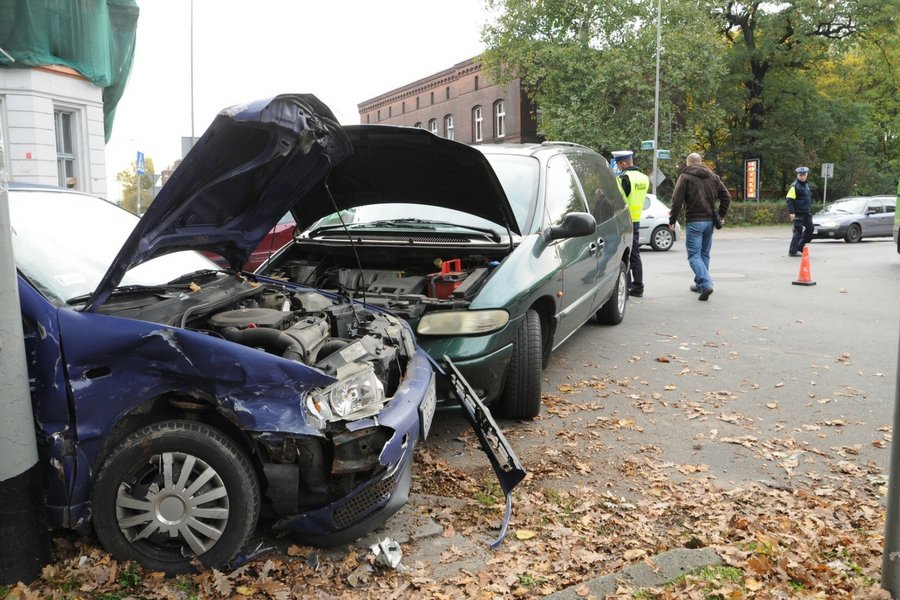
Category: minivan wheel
<point>174,492</point>
<point>613,310</point>
<point>522,393</point>
<point>662,238</point>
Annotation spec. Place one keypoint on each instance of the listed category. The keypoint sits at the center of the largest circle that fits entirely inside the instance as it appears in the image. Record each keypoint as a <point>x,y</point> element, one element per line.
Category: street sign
<point>827,170</point>
<point>663,154</point>
<point>140,163</point>
<point>657,177</point>
<point>751,179</point>
<point>647,145</point>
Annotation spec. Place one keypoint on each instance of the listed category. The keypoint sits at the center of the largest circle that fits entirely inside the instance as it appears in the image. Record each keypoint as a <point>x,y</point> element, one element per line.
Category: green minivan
<point>495,254</point>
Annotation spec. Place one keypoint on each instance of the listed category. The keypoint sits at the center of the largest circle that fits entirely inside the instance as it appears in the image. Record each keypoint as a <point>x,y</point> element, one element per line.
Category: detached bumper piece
<point>498,449</point>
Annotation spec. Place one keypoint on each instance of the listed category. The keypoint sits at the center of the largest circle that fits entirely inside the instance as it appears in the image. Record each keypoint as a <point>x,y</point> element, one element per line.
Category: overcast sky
<point>343,51</point>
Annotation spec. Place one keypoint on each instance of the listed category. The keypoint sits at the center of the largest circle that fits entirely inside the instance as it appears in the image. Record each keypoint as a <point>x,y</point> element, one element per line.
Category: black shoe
<point>695,289</point>
<point>793,254</point>
<point>705,293</point>
<point>636,293</point>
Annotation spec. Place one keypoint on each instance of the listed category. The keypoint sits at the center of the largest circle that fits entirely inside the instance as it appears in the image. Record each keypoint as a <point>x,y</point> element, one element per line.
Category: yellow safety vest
<point>640,184</point>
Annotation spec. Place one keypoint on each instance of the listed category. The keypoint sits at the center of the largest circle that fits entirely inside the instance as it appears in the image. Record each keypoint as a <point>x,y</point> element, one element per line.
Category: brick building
<point>458,103</point>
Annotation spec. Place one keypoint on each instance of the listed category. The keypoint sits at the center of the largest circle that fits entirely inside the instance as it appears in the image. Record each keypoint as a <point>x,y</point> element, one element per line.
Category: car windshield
<point>407,216</point>
<point>519,177</point>
<point>846,207</point>
<point>65,242</point>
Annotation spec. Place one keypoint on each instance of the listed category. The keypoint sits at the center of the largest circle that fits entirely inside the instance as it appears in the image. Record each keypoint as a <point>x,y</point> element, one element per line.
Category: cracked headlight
<point>462,322</point>
<point>353,397</point>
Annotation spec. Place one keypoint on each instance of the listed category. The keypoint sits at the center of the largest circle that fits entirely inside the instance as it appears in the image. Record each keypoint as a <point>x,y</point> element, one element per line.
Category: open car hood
<point>407,164</point>
<point>252,165</point>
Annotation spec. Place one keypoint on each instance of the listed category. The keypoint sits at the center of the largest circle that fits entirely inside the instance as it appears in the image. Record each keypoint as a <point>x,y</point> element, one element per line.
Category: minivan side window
<point>563,195</point>
<point>599,185</point>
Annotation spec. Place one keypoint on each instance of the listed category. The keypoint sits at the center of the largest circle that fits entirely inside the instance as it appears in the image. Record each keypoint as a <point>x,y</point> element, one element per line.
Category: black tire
<point>662,239</point>
<point>131,498</point>
<point>522,393</point>
<point>854,234</point>
<point>613,310</point>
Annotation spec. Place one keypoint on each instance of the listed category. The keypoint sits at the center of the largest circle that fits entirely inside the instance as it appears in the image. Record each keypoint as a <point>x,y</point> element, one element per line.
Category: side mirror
<point>574,225</point>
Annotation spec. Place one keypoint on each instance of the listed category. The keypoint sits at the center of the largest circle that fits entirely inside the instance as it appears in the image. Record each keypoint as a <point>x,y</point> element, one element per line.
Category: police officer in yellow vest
<point>634,186</point>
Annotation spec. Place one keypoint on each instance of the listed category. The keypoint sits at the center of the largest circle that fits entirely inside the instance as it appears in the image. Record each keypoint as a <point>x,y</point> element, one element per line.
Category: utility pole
<point>24,541</point>
<point>656,102</point>
<point>890,562</point>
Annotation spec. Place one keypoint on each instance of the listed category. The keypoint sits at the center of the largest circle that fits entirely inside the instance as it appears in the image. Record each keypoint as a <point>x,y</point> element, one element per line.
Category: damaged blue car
<point>177,403</point>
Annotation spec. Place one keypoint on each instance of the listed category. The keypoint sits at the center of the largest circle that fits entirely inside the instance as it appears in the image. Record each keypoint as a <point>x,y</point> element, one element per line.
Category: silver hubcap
<point>176,498</point>
<point>663,239</point>
<point>623,292</point>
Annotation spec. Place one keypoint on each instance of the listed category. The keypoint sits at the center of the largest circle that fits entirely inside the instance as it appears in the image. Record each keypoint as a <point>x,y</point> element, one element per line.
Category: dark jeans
<point>803,232</point>
<point>636,269</point>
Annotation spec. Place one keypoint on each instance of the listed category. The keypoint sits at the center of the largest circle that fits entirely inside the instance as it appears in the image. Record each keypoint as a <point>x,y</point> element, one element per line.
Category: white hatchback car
<point>654,230</point>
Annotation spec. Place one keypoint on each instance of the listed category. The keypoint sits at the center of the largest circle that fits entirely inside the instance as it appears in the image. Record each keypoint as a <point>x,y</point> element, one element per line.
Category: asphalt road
<point>767,381</point>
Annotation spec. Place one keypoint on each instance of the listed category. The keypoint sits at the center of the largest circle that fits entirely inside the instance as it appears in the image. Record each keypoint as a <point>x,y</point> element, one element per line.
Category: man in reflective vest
<point>634,186</point>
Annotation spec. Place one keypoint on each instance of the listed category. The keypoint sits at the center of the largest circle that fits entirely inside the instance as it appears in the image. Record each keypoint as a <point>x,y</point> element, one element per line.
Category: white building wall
<point>28,99</point>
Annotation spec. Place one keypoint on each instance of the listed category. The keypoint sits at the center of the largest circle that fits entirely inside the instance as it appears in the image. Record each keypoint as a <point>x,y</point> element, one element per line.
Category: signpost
<point>751,179</point>
<point>648,145</point>
<point>663,154</point>
<point>827,171</point>
<point>139,167</point>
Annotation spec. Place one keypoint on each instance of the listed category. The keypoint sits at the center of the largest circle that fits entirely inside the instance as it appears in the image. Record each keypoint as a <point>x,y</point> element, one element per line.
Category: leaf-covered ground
<point>601,494</point>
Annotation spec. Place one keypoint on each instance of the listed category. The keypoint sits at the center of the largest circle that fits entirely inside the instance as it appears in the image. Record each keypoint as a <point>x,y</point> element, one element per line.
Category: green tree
<point>777,55</point>
<point>128,180</point>
<point>590,68</point>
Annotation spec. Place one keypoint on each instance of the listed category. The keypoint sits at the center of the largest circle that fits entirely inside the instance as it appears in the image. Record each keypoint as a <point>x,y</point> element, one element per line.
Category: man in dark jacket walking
<point>697,190</point>
<point>799,202</point>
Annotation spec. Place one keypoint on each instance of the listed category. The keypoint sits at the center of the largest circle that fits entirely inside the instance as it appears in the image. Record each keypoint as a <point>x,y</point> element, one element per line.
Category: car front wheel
<point>854,234</point>
<point>613,311</point>
<point>174,492</point>
<point>522,393</point>
<point>662,239</point>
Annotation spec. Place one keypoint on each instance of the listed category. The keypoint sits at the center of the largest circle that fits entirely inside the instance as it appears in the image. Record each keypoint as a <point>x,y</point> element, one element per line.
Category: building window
<point>390,111</point>
<point>403,107</point>
<point>477,124</point>
<point>65,148</point>
<point>432,97</point>
<point>418,125</point>
<point>417,103</point>
<point>379,117</point>
<point>448,127</point>
<point>368,118</point>
<point>432,126</point>
<point>447,92</point>
<point>499,119</point>
<point>476,82</point>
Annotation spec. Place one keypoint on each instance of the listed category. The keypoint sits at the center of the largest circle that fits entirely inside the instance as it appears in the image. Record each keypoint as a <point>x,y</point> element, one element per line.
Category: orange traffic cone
<point>804,277</point>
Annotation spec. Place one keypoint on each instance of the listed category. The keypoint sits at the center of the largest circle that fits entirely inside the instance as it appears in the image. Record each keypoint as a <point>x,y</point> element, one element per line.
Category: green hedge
<point>758,213</point>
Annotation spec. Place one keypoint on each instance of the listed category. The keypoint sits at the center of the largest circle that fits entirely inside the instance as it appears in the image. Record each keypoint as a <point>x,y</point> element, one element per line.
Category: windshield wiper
<point>202,273</point>
<point>396,223</point>
<point>124,290</point>
<point>425,224</point>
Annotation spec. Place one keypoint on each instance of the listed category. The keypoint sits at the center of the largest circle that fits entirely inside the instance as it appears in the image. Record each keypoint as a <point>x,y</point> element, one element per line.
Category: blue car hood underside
<point>252,165</point>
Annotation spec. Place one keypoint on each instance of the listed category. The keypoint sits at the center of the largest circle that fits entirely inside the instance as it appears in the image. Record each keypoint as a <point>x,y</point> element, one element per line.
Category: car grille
<point>430,239</point>
<point>362,504</point>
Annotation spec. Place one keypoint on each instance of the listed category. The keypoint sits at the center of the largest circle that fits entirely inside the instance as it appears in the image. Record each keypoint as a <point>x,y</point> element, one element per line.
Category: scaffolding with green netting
<point>96,38</point>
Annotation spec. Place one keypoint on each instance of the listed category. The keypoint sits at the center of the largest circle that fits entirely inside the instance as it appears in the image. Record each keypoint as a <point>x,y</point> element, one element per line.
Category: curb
<point>669,565</point>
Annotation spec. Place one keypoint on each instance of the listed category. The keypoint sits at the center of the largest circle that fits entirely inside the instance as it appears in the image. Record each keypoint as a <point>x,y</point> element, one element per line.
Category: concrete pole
<point>24,542</point>
<point>890,564</point>
<point>656,101</point>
